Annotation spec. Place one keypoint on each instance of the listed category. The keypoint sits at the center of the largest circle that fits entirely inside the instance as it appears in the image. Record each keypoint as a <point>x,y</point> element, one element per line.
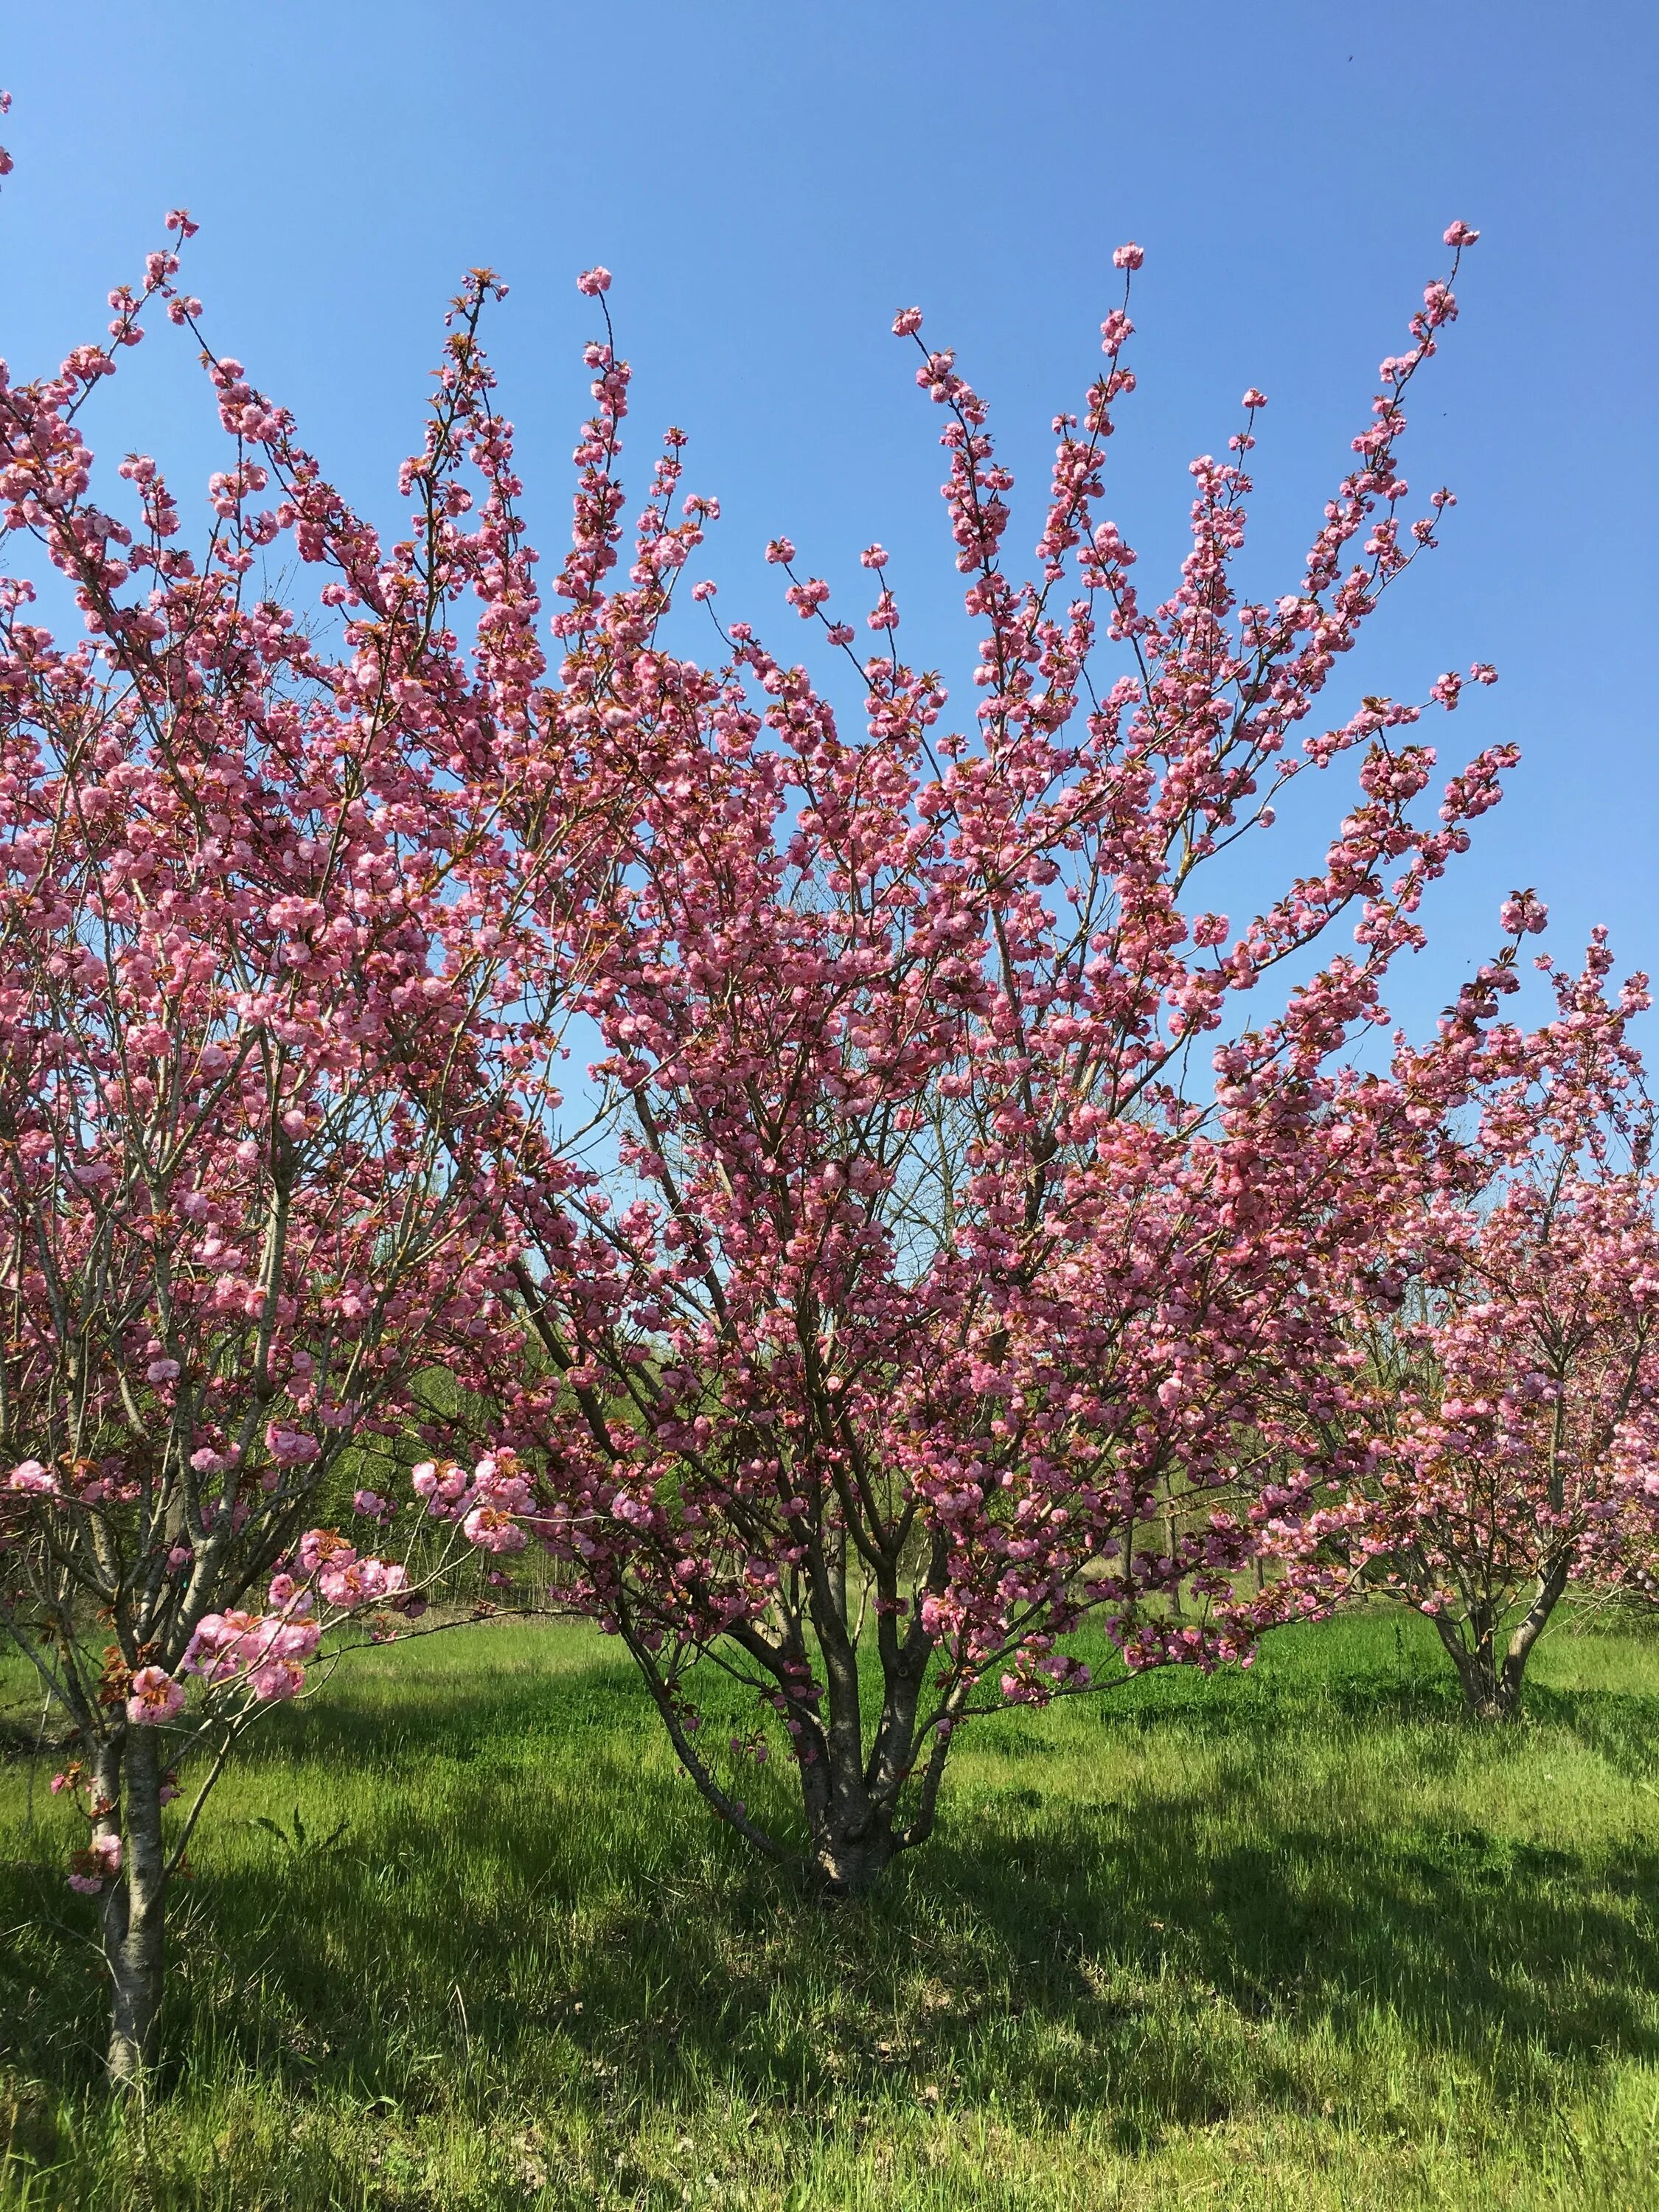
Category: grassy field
<point>1296,1938</point>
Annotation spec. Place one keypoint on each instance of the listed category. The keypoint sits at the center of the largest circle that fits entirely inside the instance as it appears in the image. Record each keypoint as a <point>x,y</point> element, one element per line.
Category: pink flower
<point>205,1653</point>
<point>1128,257</point>
<point>807,598</point>
<point>325,1547</point>
<point>1459,234</point>
<point>276,1679</point>
<point>342,1581</point>
<point>1253,399</point>
<point>100,1862</point>
<point>153,1698</point>
<point>1523,912</point>
<point>492,1530</point>
<point>907,322</point>
<point>161,1370</point>
<point>1116,331</point>
<point>780,551</point>
<point>290,1447</point>
<point>32,1476</point>
<point>443,1487</point>
<point>593,282</point>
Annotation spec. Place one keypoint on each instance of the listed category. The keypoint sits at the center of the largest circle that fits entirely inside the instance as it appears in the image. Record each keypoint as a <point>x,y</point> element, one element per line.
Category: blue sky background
<point>770,180</point>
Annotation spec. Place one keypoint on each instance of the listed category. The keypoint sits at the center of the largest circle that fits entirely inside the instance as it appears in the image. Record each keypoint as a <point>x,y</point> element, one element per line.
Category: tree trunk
<point>851,1801</point>
<point>851,1796</point>
<point>1170,1542</point>
<point>862,1800</point>
<point>1491,1683</point>
<point>852,1829</point>
<point>134,1913</point>
<point>1470,1645</point>
<point>1491,1693</point>
<point>851,1850</point>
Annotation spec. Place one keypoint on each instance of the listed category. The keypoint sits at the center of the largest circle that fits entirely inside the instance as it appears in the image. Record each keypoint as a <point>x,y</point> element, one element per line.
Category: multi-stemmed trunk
<point>129,1779</point>
<point>1489,1667</point>
<point>858,1813</point>
<point>867,1793</point>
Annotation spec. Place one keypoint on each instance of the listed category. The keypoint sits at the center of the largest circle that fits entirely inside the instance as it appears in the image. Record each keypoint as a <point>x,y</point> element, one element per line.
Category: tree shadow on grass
<point>1621,1726</point>
<point>1513,1959</point>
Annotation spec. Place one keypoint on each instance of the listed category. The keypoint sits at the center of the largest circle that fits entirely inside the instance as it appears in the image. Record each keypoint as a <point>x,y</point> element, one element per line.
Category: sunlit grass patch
<point>460,1936</point>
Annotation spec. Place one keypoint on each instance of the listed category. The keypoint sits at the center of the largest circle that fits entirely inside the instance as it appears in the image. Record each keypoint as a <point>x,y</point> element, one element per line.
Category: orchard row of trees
<point>965,1236</point>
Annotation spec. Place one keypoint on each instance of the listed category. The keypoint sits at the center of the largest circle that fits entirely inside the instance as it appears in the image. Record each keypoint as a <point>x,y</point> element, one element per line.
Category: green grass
<point>1300,1938</point>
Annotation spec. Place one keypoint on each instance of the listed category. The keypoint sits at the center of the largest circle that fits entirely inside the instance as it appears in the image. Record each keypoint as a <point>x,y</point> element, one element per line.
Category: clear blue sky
<point>769,179</point>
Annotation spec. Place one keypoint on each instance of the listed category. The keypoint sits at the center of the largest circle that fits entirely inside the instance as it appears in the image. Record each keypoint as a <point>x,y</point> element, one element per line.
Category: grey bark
<point>1491,1677</point>
<point>134,1907</point>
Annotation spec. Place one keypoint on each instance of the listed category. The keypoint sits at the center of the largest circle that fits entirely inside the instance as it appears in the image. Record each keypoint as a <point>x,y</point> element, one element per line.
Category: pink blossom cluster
<point>489,1501</point>
<point>96,1864</point>
<point>267,1651</point>
<point>153,1698</point>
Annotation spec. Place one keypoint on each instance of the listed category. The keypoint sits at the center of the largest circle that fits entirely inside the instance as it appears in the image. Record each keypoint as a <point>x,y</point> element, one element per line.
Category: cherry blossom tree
<point>1502,1409</point>
<point>272,875</point>
<point>947,1263</point>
